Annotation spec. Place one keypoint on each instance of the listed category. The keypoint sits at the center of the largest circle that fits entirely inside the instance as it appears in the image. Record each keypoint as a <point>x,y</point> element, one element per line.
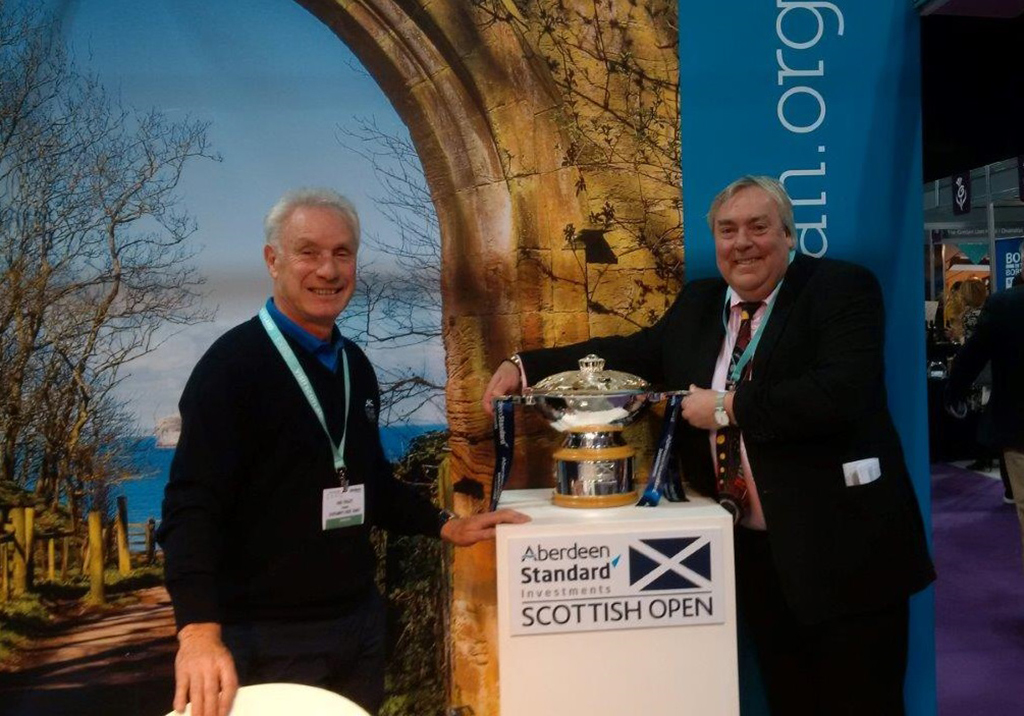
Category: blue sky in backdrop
<point>276,84</point>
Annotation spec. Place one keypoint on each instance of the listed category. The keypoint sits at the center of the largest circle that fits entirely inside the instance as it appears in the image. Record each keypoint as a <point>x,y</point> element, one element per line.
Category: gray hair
<point>308,196</point>
<point>771,186</point>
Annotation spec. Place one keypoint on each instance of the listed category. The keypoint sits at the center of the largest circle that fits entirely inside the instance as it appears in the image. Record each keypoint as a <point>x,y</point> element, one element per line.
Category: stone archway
<point>489,126</point>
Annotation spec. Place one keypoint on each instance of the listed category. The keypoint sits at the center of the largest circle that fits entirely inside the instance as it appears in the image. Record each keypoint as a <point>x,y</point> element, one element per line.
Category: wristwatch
<point>443,518</point>
<point>721,416</point>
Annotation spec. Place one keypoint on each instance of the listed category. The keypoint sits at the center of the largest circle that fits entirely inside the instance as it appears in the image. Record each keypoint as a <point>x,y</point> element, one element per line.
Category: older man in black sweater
<point>276,480</point>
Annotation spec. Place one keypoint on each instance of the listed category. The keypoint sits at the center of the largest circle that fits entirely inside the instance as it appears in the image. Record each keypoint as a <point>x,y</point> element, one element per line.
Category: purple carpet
<point>979,596</point>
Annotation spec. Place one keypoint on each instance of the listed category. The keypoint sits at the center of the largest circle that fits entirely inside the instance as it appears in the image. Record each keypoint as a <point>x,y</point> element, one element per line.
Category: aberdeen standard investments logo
<point>615,581</point>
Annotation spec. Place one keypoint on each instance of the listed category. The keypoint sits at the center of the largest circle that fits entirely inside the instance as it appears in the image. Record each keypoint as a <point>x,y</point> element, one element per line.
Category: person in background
<point>787,424</point>
<point>276,480</point>
<point>952,309</point>
<point>972,294</point>
<point>998,339</point>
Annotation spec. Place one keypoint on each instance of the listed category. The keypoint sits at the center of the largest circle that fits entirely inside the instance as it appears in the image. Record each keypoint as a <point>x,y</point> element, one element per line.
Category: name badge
<point>343,508</point>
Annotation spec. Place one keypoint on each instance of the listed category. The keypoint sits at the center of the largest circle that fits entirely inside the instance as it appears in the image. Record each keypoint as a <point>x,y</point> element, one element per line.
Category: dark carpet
<point>979,596</point>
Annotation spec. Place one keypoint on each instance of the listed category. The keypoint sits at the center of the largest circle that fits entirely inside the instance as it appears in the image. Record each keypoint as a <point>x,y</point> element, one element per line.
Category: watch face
<point>443,517</point>
<point>722,418</point>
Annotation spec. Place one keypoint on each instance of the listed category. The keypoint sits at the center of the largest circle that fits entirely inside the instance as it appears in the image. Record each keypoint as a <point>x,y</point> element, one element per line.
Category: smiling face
<point>751,243</point>
<point>314,268</point>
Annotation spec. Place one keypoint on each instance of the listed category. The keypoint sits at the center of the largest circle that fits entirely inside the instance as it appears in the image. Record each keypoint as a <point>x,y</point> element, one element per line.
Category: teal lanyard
<point>307,389</point>
<point>755,338</point>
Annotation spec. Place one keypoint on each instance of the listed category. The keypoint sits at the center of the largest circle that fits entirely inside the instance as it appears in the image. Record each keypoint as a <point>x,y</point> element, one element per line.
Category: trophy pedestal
<point>594,468</point>
<point>616,611</point>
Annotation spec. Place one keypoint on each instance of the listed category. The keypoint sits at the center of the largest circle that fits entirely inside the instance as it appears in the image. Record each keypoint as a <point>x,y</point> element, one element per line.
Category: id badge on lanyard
<point>345,505</point>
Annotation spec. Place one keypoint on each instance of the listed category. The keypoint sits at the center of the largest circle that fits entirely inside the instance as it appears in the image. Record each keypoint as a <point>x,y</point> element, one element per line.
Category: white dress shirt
<point>753,517</point>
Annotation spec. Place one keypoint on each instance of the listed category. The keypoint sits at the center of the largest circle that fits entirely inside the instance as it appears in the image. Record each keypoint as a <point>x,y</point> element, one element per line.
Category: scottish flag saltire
<point>676,564</point>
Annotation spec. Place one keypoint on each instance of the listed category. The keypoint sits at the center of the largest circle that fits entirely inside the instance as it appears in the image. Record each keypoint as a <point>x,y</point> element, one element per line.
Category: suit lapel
<point>792,286</point>
<point>710,344</point>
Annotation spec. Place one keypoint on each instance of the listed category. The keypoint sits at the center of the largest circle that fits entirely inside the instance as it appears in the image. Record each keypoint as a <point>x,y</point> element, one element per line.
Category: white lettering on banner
<point>811,235</point>
<point>1013,267</point>
<point>615,581</point>
<point>801,129</point>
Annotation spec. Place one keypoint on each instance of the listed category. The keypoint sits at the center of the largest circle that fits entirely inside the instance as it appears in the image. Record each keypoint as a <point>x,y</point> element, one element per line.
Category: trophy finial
<point>591,364</point>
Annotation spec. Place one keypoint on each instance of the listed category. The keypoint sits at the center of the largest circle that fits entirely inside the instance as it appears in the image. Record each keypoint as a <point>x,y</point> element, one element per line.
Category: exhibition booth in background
<point>973,189</point>
<point>974,224</point>
<point>973,227</point>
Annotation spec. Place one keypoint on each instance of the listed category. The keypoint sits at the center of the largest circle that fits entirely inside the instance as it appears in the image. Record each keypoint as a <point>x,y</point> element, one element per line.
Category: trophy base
<point>594,468</point>
<point>591,501</point>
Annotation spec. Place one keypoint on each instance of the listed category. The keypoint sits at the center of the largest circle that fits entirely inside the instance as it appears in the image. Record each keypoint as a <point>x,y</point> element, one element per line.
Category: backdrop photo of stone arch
<point>549,137</point>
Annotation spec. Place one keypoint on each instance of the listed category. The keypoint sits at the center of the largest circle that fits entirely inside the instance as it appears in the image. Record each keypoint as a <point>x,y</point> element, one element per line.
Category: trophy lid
<point>590,379</point>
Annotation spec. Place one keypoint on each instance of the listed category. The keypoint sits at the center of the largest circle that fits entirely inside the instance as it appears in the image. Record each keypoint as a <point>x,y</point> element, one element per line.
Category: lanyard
<point>307,389</point>
<point>755,338</point>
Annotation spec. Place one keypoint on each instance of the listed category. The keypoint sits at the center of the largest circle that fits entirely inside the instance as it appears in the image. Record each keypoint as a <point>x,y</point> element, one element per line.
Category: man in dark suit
<point>787,424</point>
<point>999,337</point>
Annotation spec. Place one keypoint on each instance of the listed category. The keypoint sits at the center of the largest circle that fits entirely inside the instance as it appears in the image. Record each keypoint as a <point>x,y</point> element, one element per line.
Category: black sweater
<point>241,529</point>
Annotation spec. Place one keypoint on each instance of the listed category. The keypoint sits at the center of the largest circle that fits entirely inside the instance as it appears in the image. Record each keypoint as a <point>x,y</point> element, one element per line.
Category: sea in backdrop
<point>146,491</point>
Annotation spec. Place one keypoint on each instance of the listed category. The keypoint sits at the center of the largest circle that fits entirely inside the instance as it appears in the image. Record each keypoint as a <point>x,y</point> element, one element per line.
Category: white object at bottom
<point>288,700</point>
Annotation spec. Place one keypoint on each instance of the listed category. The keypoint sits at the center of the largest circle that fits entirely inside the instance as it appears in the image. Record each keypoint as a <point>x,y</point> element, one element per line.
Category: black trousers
<point>848,666</point>
<point>344,655</point>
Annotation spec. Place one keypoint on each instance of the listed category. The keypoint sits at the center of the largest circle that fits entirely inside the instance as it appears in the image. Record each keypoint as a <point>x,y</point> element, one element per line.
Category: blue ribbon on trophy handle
<point>657,485</point>
<point>504,442</point>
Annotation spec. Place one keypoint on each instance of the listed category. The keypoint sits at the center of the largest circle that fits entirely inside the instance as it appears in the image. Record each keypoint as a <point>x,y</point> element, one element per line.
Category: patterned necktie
<point>732,487</point>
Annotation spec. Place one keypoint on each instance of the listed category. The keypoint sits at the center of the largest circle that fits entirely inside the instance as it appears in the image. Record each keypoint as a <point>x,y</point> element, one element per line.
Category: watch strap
<point>443,518</point>
<point>515,360</point>
<point>721,414</point>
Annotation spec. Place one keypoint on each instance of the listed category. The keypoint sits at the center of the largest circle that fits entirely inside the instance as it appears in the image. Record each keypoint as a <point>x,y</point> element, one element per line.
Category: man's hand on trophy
<point>698,407</point>
<point>505,381</point>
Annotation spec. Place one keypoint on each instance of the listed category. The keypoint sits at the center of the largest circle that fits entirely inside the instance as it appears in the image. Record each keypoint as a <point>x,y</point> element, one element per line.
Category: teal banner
<point>826,97</point>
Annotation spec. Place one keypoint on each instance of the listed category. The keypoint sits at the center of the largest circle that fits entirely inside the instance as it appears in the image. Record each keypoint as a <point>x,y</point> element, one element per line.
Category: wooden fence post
<point>150,540</point>
<point>30,543</point>
<point>4,584</point>
<point>124,559</point>
<point>19,576</point>
<point>51,560</point>
<point>97,594</point>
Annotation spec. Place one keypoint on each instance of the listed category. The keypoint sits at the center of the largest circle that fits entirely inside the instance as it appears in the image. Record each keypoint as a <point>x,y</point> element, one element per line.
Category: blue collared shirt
<point>324,351</point>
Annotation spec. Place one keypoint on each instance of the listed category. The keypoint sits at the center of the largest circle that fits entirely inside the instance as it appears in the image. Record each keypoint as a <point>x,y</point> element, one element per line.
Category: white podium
<point>615,611</point>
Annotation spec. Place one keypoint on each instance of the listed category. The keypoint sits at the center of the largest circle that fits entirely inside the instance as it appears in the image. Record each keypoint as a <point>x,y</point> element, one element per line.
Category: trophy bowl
<point>594,467</point>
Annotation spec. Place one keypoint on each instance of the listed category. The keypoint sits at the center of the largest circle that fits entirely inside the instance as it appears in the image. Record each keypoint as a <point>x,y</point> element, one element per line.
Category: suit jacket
<point>999,337</point>
<point>815,400</point>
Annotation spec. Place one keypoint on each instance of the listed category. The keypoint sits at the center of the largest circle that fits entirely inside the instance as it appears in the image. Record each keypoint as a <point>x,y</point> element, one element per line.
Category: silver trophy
<point>594,467</point>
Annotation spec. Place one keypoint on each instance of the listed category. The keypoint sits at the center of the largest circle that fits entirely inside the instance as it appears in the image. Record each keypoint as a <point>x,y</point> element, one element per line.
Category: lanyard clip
<point>343,478</point>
